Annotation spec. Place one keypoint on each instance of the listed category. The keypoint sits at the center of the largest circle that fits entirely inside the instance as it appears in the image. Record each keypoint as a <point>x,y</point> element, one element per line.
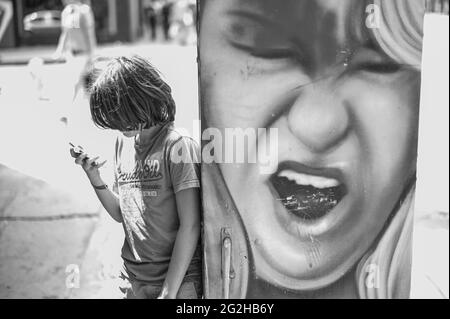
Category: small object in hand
<point>76,151</point>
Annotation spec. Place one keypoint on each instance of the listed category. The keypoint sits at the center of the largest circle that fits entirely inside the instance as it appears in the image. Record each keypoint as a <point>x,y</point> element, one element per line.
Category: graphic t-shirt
<point>148,176</point>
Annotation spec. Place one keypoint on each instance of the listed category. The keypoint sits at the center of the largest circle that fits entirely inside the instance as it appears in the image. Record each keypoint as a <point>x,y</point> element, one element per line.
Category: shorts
<point>132,289</point>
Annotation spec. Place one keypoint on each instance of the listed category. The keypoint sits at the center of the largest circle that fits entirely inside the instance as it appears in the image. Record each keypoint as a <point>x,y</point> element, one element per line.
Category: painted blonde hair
<point>385,271</point>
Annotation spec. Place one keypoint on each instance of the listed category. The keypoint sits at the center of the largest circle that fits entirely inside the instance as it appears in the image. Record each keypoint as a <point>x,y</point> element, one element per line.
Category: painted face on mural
<point>346,115</point>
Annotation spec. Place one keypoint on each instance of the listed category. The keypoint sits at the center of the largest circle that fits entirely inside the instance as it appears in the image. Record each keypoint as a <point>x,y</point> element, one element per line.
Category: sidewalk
<point>42,231</point>
<point>102,263</point>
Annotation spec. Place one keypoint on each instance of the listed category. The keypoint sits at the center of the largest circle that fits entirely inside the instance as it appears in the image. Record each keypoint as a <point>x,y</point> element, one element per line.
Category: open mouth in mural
<point>308,193</point>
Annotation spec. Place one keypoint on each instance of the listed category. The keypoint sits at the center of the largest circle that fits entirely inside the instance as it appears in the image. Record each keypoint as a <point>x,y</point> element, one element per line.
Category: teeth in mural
<point>309,180</point>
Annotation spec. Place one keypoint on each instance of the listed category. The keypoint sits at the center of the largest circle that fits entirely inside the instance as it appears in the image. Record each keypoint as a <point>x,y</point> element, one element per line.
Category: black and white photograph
<point>323,98</point>
<point>224,150</point>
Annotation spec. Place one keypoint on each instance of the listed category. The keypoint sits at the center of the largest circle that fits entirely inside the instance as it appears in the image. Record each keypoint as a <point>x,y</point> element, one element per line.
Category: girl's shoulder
<point>180,142</point>
<point>175,135</point>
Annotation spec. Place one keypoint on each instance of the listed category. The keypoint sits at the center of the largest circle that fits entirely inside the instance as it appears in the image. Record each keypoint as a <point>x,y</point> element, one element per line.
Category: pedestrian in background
<point>151,10</point>
<point>6,14</point>
<point>166,13</point>
<point>77,38</point>
<point>78,29</point>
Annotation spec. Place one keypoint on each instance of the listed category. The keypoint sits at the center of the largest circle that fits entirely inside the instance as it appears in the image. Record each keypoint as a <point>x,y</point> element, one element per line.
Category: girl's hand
<point>89,164</point>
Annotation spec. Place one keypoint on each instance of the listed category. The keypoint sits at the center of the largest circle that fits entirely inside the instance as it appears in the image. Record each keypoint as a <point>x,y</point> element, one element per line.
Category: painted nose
<point>319,118</point>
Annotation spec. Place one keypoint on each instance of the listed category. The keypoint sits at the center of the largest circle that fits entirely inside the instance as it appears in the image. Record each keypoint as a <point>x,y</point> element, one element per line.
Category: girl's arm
<point>188,206</point>
<point>108,198</point>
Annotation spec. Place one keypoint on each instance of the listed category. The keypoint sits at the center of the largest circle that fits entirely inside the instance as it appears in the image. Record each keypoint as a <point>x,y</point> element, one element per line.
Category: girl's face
<point>130,134</point>
<point>347,118</point>
<point>133,131</point>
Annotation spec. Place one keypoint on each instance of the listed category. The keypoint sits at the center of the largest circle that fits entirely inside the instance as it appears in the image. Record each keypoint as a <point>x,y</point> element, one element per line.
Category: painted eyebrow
<point>258,17</point>
<point>299,47</point>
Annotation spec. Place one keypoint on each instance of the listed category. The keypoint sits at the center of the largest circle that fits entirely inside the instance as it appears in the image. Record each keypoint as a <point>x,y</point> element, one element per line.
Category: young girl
<point>156,195</point>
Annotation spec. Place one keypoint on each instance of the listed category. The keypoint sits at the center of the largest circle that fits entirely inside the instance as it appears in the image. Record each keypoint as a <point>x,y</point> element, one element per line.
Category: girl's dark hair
<point>128,92</point>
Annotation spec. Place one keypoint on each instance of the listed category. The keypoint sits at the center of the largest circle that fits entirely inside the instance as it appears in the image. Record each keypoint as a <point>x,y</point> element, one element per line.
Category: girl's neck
<point>146,135</point>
